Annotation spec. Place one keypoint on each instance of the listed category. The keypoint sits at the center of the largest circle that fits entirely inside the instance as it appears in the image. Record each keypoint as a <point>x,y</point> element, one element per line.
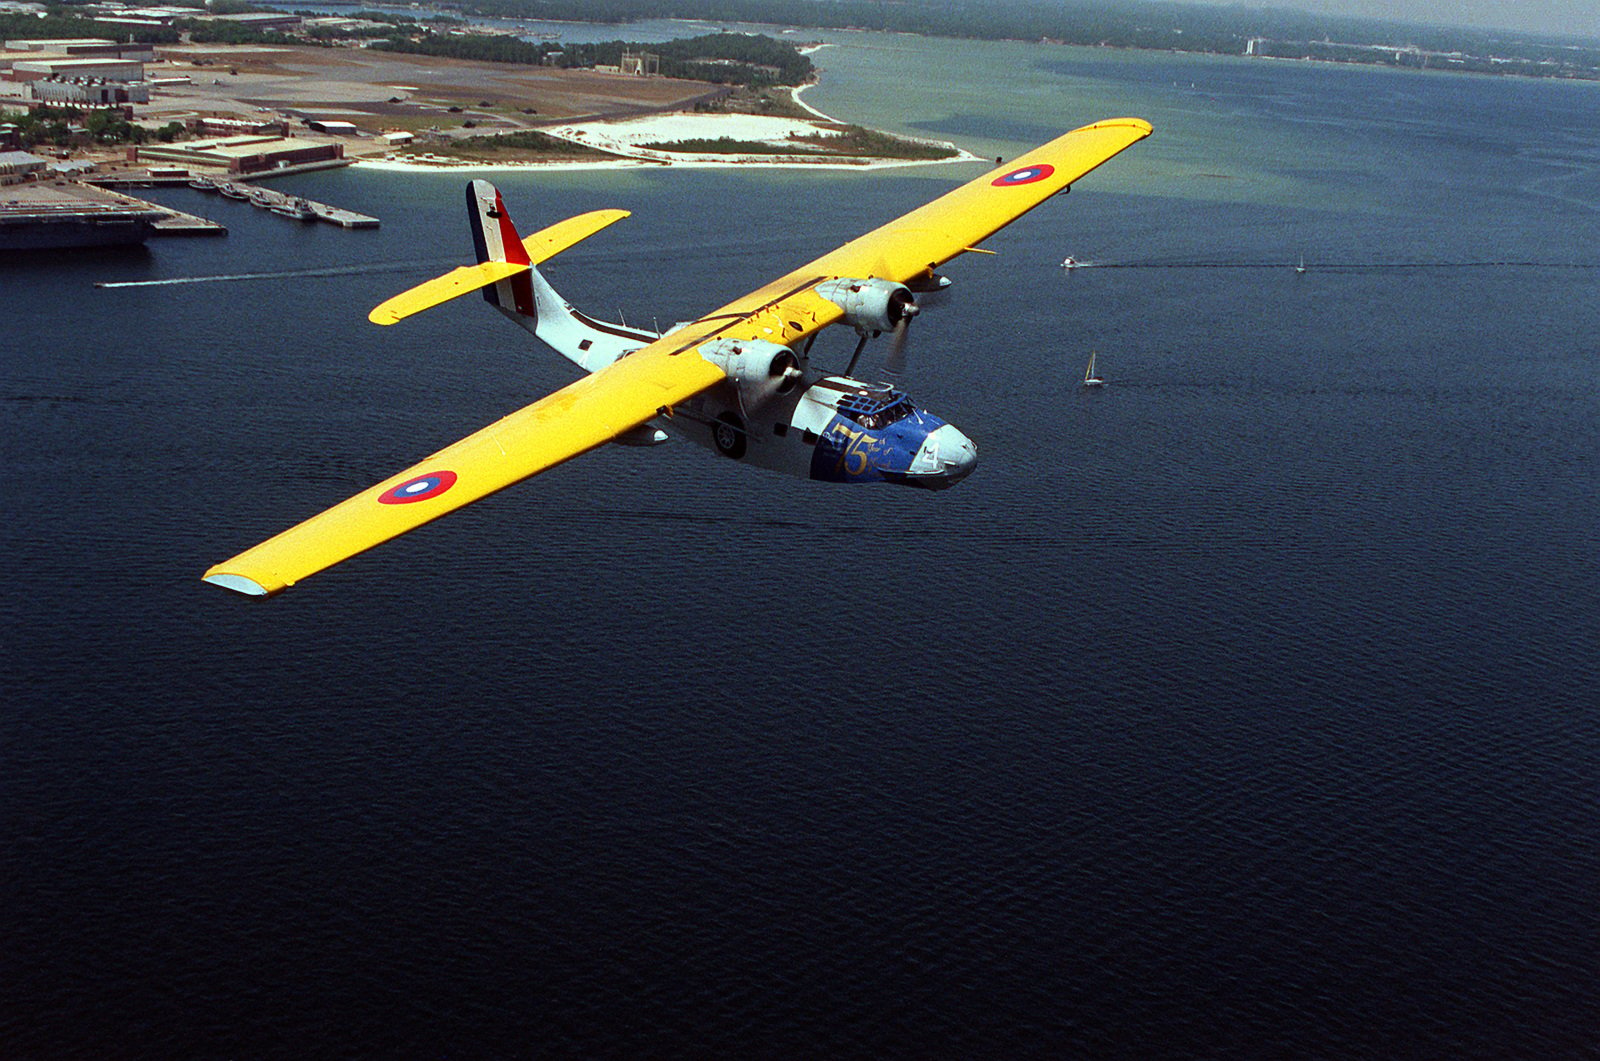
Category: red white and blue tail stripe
<point>495,238</point>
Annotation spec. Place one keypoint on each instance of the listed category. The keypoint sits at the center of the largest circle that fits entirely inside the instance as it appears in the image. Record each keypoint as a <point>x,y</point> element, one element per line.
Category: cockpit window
<point>874,410</point>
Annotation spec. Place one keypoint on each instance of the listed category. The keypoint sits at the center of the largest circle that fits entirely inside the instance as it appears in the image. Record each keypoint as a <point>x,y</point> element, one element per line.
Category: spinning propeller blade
<point>894,366</point>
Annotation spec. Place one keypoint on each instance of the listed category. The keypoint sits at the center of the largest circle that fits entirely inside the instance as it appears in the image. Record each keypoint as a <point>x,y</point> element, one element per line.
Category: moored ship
<point>44,217</point>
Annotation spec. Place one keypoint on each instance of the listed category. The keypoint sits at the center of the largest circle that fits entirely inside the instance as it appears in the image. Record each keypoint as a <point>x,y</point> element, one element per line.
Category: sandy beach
<point>685,162</point>
<point>628,139</point>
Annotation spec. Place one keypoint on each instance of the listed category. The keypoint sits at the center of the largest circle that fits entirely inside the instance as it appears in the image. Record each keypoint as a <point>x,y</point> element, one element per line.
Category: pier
<point>178,223</point>
<point>172,223</point>
<point>64,214</point>
<point>233,187</point>
<point>292,207</point>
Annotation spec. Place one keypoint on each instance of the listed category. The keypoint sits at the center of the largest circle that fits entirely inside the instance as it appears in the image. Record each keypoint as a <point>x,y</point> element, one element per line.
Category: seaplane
<point>737,380</point>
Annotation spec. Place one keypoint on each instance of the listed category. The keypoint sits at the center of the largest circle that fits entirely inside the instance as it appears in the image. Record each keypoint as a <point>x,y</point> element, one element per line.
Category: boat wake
<point>345,270</point>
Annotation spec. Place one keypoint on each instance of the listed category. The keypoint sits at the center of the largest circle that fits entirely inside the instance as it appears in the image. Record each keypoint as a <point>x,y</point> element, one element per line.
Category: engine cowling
<point>759,369</point>
<point>870,305</point>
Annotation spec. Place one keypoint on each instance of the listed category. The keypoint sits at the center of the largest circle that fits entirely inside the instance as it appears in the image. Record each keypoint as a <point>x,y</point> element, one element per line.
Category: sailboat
<point>1301,267</point>
<point>1089,378</point>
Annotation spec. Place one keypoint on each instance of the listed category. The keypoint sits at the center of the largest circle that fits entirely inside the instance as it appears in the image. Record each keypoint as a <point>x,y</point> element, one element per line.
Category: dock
<point>234,186</point>
<point>293,207</point>
<point>173,223</point>
<point>65,214</point>
<point>178,223</point>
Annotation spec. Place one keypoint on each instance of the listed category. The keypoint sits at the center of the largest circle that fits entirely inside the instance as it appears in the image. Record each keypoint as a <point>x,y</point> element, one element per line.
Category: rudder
<point>495,239</point>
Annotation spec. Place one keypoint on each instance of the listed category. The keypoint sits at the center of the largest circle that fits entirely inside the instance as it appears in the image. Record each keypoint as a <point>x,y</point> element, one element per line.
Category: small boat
<point>232,191</point>
<point>300,210</point>
<point>1069,262</point>
<point>203,184</point>
<point>1089,378</point>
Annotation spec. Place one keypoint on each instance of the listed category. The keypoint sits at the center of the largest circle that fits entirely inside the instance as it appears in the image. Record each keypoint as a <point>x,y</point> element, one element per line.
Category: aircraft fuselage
<point>829,428</point>
<point>832,429</point>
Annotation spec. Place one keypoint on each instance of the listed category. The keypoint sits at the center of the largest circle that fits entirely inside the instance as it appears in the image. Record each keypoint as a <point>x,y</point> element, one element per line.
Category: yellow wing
<point>959,220</point>
<point>575,419</point>
<point>788,309</point>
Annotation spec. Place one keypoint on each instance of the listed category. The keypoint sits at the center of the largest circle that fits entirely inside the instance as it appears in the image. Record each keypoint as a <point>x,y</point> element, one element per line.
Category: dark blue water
<point>1244,708</point>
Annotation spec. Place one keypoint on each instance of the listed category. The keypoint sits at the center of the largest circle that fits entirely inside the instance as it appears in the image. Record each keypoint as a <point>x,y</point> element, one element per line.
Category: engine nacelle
<point>761,370</point>
<point>870,305</point>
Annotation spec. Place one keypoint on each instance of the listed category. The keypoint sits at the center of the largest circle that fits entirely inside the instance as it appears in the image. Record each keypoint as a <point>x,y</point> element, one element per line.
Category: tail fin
<point>495,239</point>
<point>507,274</point>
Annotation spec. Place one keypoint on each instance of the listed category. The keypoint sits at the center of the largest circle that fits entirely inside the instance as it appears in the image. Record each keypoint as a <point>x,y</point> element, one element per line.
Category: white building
<point>109,69</point>
<point>83,48</point>
<point>18,165</point>
<point>93,91</point>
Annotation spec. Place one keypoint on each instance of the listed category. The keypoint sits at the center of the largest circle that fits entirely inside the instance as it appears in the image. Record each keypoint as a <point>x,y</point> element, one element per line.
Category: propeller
<point>894,366</point>
<point>787,371</point>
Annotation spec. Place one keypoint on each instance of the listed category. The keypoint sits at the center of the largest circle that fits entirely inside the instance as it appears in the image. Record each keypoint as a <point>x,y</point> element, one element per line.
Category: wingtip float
<point>737,381</point>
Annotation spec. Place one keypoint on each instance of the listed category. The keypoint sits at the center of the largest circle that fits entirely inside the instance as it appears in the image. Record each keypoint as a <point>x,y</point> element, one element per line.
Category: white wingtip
<point>237,583</point>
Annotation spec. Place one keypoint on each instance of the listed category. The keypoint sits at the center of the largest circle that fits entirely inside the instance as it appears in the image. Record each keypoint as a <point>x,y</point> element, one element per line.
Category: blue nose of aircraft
<point>946,457</point>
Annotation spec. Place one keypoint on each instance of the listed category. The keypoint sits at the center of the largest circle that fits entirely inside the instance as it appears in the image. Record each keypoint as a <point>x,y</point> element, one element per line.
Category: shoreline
<point>689,126</point>
<point>450,166</point>
<point>795,92</point>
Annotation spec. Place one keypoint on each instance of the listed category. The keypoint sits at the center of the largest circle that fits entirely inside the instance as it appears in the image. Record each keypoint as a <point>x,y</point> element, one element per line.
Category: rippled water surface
<point>1245,707</point>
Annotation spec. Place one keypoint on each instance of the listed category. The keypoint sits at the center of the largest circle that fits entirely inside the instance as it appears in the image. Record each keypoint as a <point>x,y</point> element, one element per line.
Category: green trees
<point>110,127</point>
<point>66,26</point>
<point>42,125</point>
<point>232,33</point>
<point>106,125</point>
<point>721,58</point>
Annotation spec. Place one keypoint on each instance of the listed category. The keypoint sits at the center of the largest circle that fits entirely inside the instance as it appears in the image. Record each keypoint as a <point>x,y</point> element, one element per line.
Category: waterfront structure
<point>247,155</point>
<point>212,125</point>
<point>61,216</point>
<point>20,165</point>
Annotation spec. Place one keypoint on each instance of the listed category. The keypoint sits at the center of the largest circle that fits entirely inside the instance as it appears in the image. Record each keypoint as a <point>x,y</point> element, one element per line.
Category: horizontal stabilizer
<point>549,242</point>
<point>541,246</point>
<point>454,284</point>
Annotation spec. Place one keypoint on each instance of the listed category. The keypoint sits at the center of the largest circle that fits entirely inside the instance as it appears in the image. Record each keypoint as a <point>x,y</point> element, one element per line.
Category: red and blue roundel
<point>1025,175</point>
<point>419,489</point>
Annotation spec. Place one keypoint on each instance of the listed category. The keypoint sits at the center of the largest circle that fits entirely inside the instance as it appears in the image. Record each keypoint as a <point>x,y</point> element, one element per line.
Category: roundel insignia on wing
<point>420,488</point>
<point>1025,175</point>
